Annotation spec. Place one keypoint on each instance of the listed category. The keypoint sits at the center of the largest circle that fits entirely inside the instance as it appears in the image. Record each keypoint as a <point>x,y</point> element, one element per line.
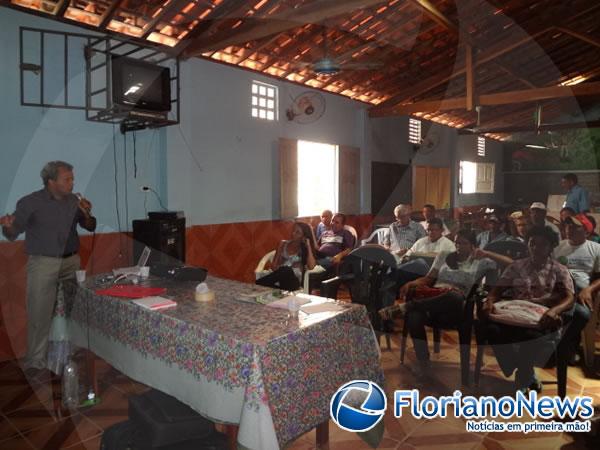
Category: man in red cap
<point>582,258</point>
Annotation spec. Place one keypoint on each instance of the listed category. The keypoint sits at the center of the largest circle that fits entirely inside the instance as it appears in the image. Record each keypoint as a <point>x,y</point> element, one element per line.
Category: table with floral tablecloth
<point>232,361</point>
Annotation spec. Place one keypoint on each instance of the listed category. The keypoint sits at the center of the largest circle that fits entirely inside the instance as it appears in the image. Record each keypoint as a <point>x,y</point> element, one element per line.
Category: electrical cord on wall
<point>189,149</point>
<point>114,140</point>
<point>134,156</point>
<point>149,189</point>
<point>125,174</point>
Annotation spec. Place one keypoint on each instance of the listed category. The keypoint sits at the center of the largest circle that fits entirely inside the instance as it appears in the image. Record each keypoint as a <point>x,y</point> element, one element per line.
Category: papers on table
<point>263,298</point>
<point>155,303</point>
<point>284,303</point>
<point>308,304</point>
<point>322,307</point>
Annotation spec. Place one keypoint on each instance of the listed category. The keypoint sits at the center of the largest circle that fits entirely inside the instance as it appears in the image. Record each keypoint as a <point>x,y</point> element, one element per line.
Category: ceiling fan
<point>328,65</point>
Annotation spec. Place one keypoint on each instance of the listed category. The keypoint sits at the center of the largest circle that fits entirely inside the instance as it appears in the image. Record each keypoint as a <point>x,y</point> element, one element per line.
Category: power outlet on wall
<point>144,189</point>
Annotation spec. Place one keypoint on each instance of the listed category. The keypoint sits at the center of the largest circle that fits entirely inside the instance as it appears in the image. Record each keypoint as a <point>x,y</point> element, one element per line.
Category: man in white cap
<point>538,217</point>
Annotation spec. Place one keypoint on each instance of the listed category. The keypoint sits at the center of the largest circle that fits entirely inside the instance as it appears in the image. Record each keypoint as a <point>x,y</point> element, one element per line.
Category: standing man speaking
<point>49,218</point>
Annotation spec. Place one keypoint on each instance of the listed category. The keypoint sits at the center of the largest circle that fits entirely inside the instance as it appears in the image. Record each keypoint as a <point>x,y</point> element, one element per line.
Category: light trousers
<point>44,273</point>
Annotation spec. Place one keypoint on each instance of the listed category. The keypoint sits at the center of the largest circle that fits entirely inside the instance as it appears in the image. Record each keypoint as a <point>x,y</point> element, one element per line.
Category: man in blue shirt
<point>578,198</point>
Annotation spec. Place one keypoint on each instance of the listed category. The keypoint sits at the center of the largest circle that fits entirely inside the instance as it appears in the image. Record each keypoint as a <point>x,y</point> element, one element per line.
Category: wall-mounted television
<point>140,85</point>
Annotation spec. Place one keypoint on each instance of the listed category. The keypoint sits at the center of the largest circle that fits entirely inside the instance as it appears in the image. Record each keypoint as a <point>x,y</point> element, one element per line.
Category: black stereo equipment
<point>166,238</point>
<point>180,273</point>
<point>165,215</point>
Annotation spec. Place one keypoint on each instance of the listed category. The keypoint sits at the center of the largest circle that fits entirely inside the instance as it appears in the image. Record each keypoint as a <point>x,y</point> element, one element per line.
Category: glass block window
<point>264,101</point>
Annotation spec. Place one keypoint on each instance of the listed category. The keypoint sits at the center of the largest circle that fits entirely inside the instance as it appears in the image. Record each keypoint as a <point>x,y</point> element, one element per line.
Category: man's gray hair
<point>50,170</point>
<point>402,209</point>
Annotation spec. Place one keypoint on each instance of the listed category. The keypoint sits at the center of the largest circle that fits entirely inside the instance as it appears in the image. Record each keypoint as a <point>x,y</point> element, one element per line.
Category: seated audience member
<point>434,242</point>
<point>539,279</point>
<point>593,236</point>
<point>429,213</point>
<point>428,246</point>
<point>335,243</point>
<point>564,213</point>
<point>582,258</point>
<point>519,227</point>
<point>537,216</point>
<point>494,231</point>
<point>291,259</point>
<point>451,276</point>
<point>325,223</point>
<point>404,232</point>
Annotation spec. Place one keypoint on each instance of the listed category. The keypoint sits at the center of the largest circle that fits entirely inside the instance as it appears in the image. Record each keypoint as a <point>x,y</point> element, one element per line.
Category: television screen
<point>140,85</point>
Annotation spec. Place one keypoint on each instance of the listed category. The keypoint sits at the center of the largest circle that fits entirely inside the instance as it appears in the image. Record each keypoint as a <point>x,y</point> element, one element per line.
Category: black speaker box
<point>166,238</point>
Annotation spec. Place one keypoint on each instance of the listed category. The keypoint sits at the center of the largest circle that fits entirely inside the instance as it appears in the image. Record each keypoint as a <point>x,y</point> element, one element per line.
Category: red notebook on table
<point>131,291</point>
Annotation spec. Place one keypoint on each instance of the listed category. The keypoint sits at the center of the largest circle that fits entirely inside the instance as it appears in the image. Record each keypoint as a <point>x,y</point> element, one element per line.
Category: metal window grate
<point>480,146</point>
<point>414,131</point>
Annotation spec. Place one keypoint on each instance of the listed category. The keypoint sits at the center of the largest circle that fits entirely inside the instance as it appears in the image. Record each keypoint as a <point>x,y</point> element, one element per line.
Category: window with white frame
<point>317,178</point>
<point>476,178</point>
<point>264,101</point>
<point>414,131</point>
<point>480,146</point>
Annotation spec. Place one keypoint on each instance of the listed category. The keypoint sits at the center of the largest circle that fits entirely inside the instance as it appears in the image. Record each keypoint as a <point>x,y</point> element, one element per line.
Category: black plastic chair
<point>511,248</point>
<point>518,250</point>
<point>464,328</point>
<point>365,272</point>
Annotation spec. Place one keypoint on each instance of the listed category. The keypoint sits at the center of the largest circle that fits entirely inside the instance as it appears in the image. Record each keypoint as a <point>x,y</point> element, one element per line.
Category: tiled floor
<point>27,419</point>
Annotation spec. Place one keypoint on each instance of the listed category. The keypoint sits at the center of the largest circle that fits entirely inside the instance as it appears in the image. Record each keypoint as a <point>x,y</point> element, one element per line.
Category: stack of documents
<point>155,303</point>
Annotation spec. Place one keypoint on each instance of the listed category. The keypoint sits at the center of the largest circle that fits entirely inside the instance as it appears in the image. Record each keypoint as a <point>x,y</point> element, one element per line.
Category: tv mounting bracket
<point>66,70</point>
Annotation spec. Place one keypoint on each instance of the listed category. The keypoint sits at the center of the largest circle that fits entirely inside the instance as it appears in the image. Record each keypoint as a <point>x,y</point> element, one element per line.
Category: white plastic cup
<point>80,276</point>
<point>293,307</point>
<point>145,271</point>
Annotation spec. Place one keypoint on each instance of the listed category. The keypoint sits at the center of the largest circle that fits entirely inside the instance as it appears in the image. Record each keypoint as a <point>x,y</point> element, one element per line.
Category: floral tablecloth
<point>263,367</point>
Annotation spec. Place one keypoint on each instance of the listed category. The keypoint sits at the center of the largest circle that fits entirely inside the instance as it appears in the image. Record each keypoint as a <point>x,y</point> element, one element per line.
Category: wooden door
<point>431,185</point>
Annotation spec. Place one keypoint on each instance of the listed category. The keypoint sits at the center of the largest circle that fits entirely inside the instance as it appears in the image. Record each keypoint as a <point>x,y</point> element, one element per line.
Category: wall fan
<point>328,65</point>
<point>306,108</point>
<point>428,143</point>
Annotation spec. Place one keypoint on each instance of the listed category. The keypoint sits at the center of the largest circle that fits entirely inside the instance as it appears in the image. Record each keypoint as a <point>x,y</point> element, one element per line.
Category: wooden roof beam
<point>109,13</point>
<point>510,72</point>
<point>436,15</point>
<point>168,12</point>
<point>581,36</point>
<point>492,53</point>
<point>253,29</point>
<point>533,127</point>
<point>420,88</point>
<point>495,99</point>
<point>470,73</point>
<point>61,8</point>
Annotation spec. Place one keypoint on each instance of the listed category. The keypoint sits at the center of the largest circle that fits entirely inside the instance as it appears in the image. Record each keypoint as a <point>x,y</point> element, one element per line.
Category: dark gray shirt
<point>49,224</point>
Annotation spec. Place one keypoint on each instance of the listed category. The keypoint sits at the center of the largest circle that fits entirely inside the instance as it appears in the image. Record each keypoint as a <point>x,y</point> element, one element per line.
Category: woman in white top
<point>445,288</point>
<point>291,259</point>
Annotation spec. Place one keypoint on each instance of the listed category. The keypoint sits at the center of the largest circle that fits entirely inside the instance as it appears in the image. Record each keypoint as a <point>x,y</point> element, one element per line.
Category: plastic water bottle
<point>70,385</point>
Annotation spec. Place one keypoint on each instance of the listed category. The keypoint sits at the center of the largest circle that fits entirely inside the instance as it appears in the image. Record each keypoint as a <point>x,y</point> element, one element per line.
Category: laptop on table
<point>134,270</point>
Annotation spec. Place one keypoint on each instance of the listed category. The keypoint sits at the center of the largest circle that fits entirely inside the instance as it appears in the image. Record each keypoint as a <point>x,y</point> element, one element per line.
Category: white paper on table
<point>322,307</point>
<point>155,303</point>
<point>283,302</point>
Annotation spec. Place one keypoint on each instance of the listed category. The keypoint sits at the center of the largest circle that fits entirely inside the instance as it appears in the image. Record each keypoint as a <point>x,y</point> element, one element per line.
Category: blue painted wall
<point>219,165</point>
<point>30,136</point>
